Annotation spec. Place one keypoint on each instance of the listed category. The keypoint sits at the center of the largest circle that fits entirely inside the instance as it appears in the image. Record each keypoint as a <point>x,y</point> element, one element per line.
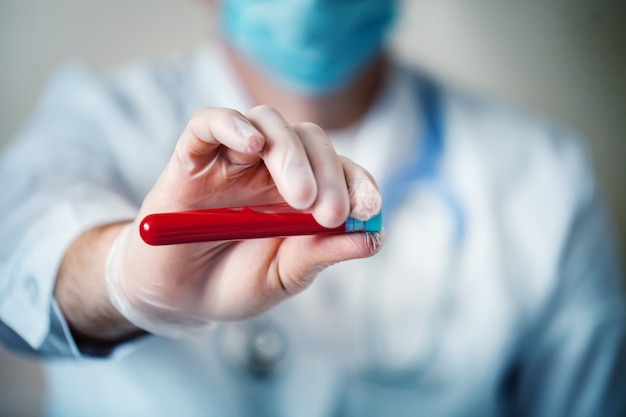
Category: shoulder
<point>508,141</point>
<point>135,90</point>
<point>517,149</point>
<point>150,100</point>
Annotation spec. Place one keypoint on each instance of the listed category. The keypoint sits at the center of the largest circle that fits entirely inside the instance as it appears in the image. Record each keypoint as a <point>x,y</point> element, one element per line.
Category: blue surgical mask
<point>311,46</point>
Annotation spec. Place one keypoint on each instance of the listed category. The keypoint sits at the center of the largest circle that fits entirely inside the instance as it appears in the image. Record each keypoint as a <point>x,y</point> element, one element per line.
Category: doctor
<point>497,291</point>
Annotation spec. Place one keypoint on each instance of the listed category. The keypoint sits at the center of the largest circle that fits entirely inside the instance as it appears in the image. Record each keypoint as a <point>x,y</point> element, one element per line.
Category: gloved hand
<point>226,159</point>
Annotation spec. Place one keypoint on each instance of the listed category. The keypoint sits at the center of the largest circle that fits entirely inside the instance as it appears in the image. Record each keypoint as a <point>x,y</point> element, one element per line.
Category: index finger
<point>212,127</point>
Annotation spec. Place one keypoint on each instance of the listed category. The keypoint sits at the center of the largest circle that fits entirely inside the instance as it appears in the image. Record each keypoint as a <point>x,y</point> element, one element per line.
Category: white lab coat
<point>523,316</point>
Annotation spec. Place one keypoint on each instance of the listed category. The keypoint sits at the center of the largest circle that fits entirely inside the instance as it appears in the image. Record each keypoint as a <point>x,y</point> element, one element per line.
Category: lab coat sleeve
<point>573,360</point>
<point>58,179</point>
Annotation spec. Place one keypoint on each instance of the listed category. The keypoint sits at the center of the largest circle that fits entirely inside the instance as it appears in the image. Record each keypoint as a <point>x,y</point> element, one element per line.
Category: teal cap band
<point>375,224</point>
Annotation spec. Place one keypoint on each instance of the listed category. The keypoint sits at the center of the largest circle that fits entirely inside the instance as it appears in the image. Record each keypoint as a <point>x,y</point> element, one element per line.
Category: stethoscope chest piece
<point>256,347</point>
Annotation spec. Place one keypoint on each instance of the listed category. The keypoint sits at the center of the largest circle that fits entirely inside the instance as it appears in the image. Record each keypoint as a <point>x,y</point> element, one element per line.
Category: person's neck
<point>335,111</point>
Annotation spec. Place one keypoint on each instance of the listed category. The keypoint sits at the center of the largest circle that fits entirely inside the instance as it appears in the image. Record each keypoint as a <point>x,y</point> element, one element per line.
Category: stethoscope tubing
<point>423,169</point>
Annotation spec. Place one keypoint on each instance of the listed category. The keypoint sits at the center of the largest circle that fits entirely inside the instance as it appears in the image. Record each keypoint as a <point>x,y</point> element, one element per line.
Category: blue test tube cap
<point>375,224</point>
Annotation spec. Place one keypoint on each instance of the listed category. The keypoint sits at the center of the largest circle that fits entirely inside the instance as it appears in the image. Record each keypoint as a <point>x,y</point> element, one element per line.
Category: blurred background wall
<point>563,58</point>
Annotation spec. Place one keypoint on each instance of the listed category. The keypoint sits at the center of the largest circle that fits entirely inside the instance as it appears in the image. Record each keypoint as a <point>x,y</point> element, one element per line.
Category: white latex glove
<point>226,159</point>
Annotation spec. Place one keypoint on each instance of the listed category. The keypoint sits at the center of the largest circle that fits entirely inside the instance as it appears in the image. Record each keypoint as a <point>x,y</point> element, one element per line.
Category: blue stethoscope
<point>424,168</point>
<point>260,345</point>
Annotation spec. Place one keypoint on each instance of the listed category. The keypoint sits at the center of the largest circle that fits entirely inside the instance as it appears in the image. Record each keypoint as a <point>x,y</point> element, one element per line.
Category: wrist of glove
<point>142,308</point>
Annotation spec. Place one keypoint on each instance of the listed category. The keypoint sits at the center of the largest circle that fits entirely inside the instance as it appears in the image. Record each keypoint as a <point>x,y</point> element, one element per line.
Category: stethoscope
<point>425,166</point>
<point>257,346</point>
<point>423,169</point>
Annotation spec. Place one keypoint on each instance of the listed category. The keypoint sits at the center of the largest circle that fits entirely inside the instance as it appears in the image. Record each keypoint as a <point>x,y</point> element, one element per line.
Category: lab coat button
<point>256,346</point>
<point>31,290</point>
